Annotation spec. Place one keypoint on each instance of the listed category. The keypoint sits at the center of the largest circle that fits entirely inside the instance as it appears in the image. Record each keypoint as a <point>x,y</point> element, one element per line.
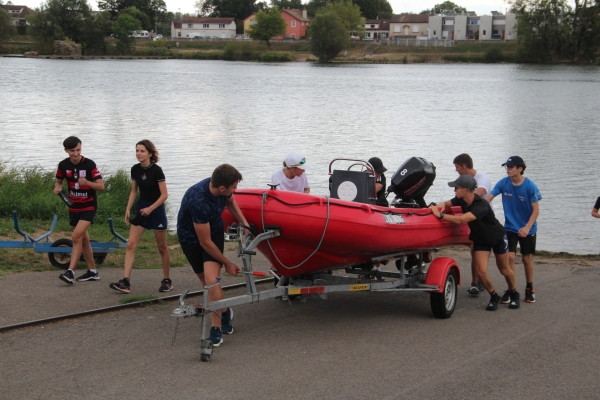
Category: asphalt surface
<point>352,345</point>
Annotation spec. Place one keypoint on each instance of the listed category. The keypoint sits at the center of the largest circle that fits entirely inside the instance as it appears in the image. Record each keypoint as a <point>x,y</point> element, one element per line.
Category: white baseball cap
<point>296,160</point>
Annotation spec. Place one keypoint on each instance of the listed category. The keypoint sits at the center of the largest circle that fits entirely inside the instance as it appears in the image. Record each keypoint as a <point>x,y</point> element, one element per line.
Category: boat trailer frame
<point>442,284</point>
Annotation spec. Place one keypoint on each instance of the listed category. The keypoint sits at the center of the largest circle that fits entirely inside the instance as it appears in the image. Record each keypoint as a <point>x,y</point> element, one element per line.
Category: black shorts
<point>75,217</point>
<point>499,248</point>
<point>157,220</point>
<point>197,256</point>
<point>526,243</point>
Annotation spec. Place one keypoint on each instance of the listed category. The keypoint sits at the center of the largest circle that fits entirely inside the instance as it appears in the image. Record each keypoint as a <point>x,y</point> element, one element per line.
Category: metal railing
<point>419,42</point>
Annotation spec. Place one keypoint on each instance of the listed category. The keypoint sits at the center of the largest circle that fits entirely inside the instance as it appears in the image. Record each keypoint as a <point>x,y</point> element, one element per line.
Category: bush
<point>493,55</point>
<point>29,191</point>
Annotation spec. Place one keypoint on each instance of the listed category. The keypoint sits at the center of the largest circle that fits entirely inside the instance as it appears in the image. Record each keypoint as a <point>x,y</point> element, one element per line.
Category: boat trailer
<point>59,251</point>
<point>440,279</point>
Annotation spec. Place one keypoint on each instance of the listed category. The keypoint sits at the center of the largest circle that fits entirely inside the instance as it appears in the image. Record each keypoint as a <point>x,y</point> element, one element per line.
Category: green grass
<point>133,299</point>
<point>28,190</point>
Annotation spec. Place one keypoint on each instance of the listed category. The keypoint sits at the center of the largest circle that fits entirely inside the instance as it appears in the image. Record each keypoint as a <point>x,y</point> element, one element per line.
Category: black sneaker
<point>89,276</point>
<point>514,300</point>
<point>122,286</point>
<point>505,299</point>
<point>226,325</point>
<point>216,337</point>
<point>67,276</point>
<point>529,295</point>
<point>493,305</point>
<point>165,285</point>
<point>474,289</point>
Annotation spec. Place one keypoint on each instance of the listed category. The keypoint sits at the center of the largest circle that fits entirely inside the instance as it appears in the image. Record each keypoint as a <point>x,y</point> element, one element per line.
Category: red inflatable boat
<point>319,233</point>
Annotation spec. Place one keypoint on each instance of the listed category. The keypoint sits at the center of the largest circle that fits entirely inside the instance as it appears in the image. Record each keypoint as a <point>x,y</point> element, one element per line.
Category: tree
<point>238,9</point>
<point>269,23</point>
<point>368,8</point>
<point>287,4</point>
<point>446,7</point>
<point>122,29</point>
<point>385,9</point>
<point>349,15</point>
<point>72,19</point>
<point>155,10</point>
<point>7,28</point>
<point>328,36</point>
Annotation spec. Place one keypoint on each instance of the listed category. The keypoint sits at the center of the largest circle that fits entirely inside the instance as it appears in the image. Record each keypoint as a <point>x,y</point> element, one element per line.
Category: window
<point>415,28</point>
<point>397,28</point>
<point>473,22</point>
<point>178,33</point>
<point>205,25</point>
<point>484,31</point>
<point>372,26</point>
<point>302,23</point>
<point>510,33</point>
<point>221,25</point>
<point>433,33</point>
<point>495,32</point>
<point>190,25</point>
<point>449,22</point>
<point>293,24</point>
<point>384,34</point>
<point>367,34</point>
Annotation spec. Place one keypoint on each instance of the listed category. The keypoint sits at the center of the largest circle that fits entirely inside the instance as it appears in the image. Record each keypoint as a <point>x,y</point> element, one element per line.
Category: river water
<point>204,113</point>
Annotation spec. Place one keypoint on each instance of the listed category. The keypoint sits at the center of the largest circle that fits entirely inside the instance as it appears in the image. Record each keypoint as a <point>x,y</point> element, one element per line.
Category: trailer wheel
<point>443,304</point>
<point>206,348</point>
<point>60,260</point>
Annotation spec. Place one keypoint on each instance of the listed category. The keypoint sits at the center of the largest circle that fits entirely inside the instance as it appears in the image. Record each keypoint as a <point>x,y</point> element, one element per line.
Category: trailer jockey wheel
<point>206,348</point>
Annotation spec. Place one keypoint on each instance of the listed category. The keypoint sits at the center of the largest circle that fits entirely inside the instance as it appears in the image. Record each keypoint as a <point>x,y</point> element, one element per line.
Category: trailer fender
<point>438,270</point>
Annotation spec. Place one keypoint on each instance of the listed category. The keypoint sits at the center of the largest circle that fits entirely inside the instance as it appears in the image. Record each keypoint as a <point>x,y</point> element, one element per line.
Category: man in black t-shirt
<point>486,234</point>
<point>83,180</point>
<point>380,184</point>
<point>596,208</point>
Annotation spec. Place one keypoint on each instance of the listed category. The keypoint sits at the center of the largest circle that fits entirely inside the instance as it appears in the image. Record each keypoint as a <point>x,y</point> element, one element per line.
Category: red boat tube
<point>319,233</point>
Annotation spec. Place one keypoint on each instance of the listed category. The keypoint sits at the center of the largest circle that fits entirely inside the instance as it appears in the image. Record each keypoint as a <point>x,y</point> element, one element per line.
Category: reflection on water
<point>251,115</point>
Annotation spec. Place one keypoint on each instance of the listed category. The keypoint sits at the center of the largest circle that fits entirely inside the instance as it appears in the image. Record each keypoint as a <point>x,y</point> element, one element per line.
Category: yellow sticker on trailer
<point>359,287</point>
<point>293,291</point>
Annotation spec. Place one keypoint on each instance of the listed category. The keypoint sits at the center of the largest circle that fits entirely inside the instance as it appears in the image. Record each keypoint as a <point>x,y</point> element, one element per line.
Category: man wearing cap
<point>292,177</point>
<point>463,164</point>
<point>380,186</point>
<point>487,234</point>
<point>520,199</point>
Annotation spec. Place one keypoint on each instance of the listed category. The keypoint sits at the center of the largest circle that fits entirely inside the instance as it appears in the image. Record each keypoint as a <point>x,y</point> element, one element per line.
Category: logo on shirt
<point>69,173</point>
<point>507,194</point>
<point>82,174</point>
<point>144,177</point>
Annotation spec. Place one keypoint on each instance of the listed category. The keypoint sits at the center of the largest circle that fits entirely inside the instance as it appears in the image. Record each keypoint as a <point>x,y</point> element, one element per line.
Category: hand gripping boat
<point>305,237</point>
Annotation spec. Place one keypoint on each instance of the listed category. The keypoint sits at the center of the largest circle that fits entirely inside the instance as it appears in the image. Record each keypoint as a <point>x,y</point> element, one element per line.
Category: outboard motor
<point>410,183</point>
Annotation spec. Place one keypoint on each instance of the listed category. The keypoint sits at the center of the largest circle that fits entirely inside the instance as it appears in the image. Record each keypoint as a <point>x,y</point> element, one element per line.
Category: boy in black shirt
<point>83,179</point>
<point>486,234</point>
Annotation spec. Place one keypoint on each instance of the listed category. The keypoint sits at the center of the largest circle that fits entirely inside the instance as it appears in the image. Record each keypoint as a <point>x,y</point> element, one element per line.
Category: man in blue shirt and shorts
<point>520,199</point>
<point>202,238</point>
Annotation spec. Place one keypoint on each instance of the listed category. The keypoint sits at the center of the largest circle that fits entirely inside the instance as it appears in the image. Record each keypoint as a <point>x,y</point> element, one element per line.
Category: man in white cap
<point>292,177</point>
<point>487,234</point>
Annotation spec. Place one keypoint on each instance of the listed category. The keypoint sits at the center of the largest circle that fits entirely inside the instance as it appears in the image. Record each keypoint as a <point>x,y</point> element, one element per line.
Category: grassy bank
<point>29,191</point>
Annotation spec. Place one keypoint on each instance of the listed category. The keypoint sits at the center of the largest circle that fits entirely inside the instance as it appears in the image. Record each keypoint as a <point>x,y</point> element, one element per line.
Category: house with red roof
<point>296,21</point>
<point>18,13</point>
<point>223,28</point>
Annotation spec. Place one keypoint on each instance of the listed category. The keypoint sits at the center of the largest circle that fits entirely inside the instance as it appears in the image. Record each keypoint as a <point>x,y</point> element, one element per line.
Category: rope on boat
<point>262,217</point>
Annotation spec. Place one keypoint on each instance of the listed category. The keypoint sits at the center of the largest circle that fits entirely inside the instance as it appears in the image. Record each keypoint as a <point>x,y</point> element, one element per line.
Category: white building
<point>223,28</point>
<point>472,27</point>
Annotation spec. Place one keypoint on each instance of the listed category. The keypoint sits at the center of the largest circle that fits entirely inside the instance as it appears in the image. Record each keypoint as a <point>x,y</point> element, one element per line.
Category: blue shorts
<point>499,248</point>
<point>157,220</point>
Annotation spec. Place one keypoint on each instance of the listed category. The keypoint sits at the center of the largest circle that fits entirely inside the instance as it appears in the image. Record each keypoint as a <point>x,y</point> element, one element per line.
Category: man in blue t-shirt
<point>520,199</point>
<point>200,233</point>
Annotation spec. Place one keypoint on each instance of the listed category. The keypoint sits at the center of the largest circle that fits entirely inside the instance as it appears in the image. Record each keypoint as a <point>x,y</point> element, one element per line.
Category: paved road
<point>353,345</point>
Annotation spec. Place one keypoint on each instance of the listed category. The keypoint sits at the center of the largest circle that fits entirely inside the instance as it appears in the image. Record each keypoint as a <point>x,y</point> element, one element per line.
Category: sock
<point>514,290</point>
<point>94,271</point>
<point>126,280</point>
<point>529,285</point>
<point>72,273</point>
<point>493,293</point>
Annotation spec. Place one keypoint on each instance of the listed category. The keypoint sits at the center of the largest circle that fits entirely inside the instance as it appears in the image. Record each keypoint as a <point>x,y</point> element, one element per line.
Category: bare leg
<point>135,234</point>
<point>211,271</point>
<point>81,244</point>
<point>511,261</point>
<point>474,277</point>
<point>161,242</point>
<point>528,264</point>
<point>481,259</point>
<point>502,261</point>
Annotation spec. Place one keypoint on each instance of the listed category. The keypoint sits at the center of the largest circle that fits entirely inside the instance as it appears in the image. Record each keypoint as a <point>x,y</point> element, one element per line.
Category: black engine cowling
<point>411,181</point>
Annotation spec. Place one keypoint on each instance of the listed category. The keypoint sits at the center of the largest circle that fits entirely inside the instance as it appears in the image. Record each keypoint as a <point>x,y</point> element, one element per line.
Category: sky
<point>481,7</point>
